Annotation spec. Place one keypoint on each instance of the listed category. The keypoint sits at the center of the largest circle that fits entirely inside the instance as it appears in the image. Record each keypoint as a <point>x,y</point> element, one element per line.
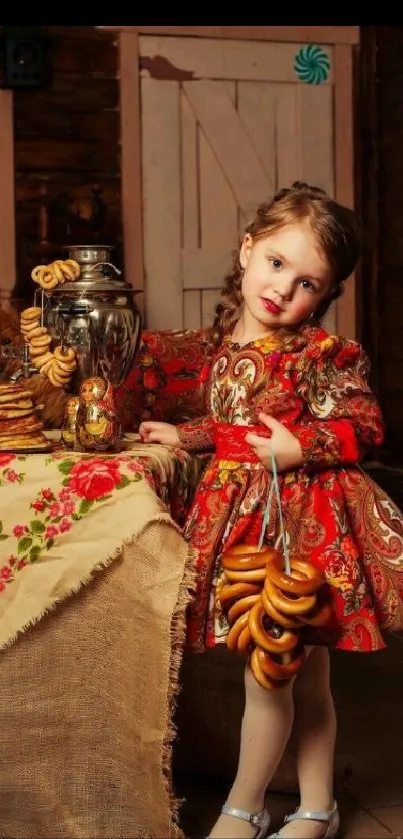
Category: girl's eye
<point>276,263</point>
<point>307,285</point>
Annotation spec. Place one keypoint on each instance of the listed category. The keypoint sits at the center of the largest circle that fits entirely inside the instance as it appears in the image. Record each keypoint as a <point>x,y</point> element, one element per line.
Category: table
<point>95,578</point>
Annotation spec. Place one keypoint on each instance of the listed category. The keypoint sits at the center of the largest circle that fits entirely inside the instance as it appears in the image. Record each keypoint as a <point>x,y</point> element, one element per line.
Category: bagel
<point>286,621</point>
<point>67,271</point>
<point>307,581</point>
<point>285,642</point>
<point>245,641</point>
<point>75,267</point>
<point>282,670</point>
<point>66,354</point>
<point>241,556</point>
<point>261,678</point>
<point>235,631</point>
<point>56,267</point>
<point>40,360</point>
<point>255,575</point>
<point>46,366</point>
<point>66,367</point>
<point>242,605</point>
<point>36,272</point>
<point>41,340</point>
<point>32,313</point>
<point>37,332</point>
<point>236,591</point>
<point>290,605</point>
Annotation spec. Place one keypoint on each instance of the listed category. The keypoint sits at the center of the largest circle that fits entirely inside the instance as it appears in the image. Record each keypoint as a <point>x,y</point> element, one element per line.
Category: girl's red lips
<point>270,306</point>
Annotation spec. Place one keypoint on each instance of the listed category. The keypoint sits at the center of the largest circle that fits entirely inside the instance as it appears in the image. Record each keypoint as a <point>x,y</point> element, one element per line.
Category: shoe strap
<point>252,818</point>
<point>310,815</point>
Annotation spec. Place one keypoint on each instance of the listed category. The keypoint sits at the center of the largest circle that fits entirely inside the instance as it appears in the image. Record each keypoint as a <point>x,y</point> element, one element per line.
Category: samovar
<point>97,315</point>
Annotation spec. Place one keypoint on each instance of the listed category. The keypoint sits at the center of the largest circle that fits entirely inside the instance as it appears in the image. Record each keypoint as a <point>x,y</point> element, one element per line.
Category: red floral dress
<point>334,515</point>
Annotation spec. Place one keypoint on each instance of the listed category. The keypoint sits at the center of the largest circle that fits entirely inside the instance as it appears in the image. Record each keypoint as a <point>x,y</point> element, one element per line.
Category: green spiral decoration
<point>312,64</point>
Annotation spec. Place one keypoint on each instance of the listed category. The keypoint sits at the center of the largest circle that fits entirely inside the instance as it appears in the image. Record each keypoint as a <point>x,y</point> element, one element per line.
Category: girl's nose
<point>284,287</point>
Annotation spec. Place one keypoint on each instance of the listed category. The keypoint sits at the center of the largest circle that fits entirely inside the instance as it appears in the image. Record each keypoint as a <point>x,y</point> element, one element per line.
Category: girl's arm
<point>196,435</point>
<point>343,420</point>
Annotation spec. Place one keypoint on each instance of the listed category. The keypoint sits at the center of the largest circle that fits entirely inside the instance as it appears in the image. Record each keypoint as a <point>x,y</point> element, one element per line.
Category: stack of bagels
<point>267,609</point>
<point>57,365</point>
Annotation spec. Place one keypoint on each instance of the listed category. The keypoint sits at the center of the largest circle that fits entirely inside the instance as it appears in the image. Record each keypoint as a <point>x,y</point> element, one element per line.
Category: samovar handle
<point>101,264</point>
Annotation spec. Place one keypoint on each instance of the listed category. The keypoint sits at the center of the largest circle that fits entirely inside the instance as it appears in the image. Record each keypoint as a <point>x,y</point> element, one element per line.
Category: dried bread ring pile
<point>59,271</point>
<point>63,365</point>
<point>59,365</point>
<point>266,609</point>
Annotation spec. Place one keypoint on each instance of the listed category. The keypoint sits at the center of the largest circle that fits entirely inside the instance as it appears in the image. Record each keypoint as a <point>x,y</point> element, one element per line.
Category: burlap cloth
<point>92,637</point>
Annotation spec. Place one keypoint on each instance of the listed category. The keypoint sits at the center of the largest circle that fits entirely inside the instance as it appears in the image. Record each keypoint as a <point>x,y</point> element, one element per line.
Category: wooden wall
<point>67,152</point>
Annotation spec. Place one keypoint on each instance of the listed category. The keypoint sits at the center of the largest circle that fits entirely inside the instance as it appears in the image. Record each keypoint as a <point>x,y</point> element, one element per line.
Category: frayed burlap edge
<point>178,640</point>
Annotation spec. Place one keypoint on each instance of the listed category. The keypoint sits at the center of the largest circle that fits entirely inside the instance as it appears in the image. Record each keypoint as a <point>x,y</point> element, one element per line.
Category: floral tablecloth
<point>64,515</point>
<point>95,580</point>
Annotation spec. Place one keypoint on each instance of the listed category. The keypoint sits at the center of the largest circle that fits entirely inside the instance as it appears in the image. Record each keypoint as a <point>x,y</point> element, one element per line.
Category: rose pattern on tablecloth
<point>84,483</point>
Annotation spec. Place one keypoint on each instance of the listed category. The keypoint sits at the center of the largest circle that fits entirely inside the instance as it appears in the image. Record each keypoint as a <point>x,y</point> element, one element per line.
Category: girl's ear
<point>246,248</point>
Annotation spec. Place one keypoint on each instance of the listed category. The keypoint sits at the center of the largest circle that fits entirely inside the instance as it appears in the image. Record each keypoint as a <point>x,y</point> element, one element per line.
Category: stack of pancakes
<point>20,426</point>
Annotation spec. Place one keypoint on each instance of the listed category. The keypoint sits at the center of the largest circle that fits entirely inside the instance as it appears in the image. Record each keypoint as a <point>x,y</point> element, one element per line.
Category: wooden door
<point>224,124</point>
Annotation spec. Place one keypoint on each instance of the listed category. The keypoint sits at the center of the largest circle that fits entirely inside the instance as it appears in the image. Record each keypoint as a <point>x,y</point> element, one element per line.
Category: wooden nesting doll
<point>96,424</point>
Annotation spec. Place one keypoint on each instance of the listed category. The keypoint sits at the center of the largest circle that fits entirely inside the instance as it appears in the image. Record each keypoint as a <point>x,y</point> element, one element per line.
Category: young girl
<point>279,386</point>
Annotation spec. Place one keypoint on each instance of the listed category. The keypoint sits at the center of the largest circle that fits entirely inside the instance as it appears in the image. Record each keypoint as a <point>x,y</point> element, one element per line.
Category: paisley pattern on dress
<point>335,516</point>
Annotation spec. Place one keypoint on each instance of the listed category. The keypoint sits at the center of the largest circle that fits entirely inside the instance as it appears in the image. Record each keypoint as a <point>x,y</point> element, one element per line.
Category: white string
<point>275,488</point>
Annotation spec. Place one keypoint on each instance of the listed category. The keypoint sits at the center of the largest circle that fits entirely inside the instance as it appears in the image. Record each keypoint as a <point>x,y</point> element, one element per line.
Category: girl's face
<point>285,278</point>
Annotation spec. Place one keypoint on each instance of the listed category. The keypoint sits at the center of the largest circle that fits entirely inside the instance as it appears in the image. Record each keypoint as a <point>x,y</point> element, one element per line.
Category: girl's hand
<point>159,432</point>
<point>281,443</point>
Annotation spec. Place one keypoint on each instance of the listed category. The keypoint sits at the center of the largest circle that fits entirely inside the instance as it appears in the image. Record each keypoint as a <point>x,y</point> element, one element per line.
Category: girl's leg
<point>314,735</point>
<point>266,727</point>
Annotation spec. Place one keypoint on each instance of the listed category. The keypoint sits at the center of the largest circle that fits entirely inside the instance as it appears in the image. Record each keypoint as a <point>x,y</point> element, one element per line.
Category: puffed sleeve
<point>342,420</point>
<point>197,435</point>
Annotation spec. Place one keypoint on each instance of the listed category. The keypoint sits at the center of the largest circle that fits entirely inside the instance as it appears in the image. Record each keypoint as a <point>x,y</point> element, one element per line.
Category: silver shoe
<point>330,816</point>
<point>260,820</point>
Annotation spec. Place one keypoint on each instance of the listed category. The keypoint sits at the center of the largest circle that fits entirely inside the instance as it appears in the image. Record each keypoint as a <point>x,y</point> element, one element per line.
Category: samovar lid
<point>98,273</point>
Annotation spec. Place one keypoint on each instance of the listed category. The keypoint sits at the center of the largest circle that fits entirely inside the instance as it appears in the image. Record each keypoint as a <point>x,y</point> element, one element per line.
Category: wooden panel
<point>288,132</point>
<point>205,268</point>
<point>218,205</point>
<point>308,34</point>
<point>315,107</point>
<point>192,310</point>
<point>344,170</point>
<point>209,302</point>
<point>131,164</point>
<point>230,141</point>
<point>190,177</point>
<point>211,59</point>
<point>162,203</point>
<point>257,110</point>
<point>7,221</point>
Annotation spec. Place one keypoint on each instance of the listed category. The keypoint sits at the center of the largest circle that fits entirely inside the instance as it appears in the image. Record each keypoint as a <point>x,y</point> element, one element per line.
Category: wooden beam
<point>131,177</point>
<point>7,198</point>
<point>298,34</point>
<point>344,170</point>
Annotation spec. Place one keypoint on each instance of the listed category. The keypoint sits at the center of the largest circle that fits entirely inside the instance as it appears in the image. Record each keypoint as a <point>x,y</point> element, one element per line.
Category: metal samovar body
<point>97,315</point>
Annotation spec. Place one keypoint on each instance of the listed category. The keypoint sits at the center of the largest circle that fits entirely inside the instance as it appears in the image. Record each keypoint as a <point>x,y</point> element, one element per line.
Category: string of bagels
<point>268,600</point>
<point>58,364</point>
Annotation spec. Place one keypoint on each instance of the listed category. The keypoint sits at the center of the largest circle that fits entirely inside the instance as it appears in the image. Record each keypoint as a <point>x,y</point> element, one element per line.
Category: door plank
<point>229,139</point>
<point>162,203</point>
